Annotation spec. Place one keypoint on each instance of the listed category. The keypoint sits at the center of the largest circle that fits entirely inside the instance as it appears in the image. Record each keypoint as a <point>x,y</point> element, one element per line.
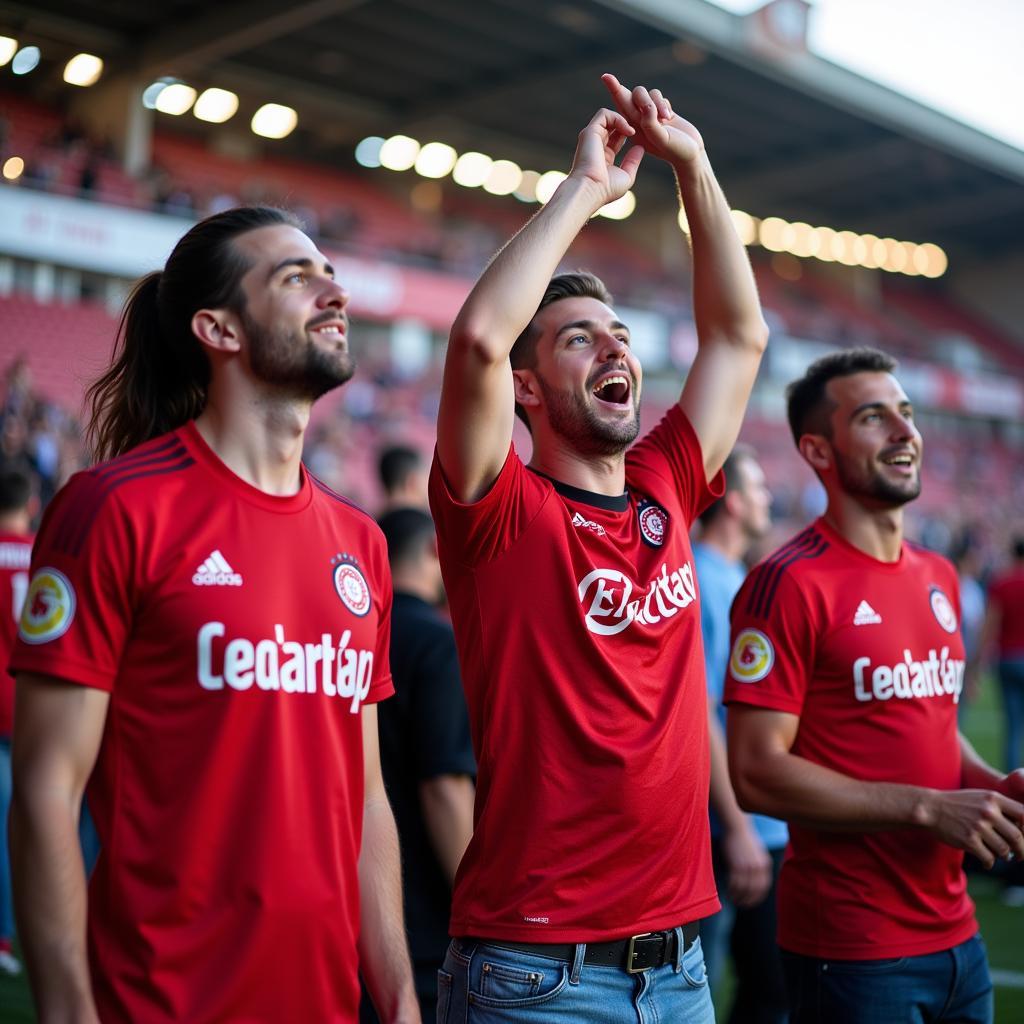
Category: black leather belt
<point>635,954</point>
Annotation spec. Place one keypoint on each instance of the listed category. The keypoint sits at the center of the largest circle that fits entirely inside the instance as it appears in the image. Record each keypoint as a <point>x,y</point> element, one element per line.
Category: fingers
<point>631,162</point>
<point>609,122</point>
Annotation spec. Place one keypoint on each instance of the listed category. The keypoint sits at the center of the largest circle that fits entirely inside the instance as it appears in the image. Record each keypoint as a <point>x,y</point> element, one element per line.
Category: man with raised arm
<point>204,641</point>
<point>575,605</point>
<point>846,669</point>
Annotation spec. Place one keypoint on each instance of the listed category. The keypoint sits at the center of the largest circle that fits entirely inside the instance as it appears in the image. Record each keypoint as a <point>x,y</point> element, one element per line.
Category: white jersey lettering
<point>938,675</point>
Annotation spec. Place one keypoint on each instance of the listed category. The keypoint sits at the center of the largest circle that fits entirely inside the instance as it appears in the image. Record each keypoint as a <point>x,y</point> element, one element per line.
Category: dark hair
<point>406,530</point>
<point>159,375</point>
<point>579,284</point>
<point>15,489</point>
<point>1018,547</point>
<point>731,470</point>
<point>808,406</point>
<point>396,464</point>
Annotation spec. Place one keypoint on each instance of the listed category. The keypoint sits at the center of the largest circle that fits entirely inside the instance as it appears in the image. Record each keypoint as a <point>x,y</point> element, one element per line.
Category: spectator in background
<point>746,849</point>
<point>425,747</point>
<point>1002,645</point>
<point>403,477</point>
<point>17,508</point>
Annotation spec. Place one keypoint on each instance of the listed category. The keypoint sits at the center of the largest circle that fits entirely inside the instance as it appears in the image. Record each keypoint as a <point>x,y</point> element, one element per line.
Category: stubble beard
<point>876,487</point>
<point>579,424</point>
<point>292,363</point>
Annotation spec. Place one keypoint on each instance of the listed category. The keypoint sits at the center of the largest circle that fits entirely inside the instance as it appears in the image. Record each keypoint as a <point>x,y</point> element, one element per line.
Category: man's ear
<point>218,329</point>
<point>817,451</point>
<point>526,389</point>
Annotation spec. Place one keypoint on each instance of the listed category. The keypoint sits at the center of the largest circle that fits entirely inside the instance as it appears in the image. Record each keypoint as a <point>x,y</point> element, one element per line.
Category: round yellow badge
<point>49,607</point>
<point>752,657</point>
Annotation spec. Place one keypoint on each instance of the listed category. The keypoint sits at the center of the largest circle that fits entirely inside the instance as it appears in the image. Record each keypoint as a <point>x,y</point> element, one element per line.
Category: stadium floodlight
<point>746,226</point>
<point>825,238</point>
<point>14,166</point>
<point>26,60</point>
<point>504,178</point>
<point>175,99</point>
<point>846,248</point>
<point>874,251</point>
<point>368,151</point>
<point>549,181</point>
<point>8,48</point>
<point>895,256</point>
<point>83,69</point>
<point>399,153</point>
<point>435,160</point>
<point>772,234</point>
<point>930,260</point>
<point>804,241</point>
<point>274,121</point>
<point>471,169</point>
<point>683,221</point>
<point>620,209</point>
<point>216,105</point>
<point>527,190</point>
<point>152,91</point>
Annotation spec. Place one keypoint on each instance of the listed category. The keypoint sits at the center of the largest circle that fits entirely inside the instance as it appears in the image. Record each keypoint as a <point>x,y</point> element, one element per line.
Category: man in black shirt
<point>426,753</point>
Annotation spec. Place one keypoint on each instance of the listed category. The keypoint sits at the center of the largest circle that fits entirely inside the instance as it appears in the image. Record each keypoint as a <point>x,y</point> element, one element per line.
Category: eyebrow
<point>904,403</point>
<point>297,261</point>
<point>589,325</point>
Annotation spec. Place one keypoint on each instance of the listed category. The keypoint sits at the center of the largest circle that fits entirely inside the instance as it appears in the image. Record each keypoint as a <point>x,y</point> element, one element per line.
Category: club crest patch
<point>49,607</point>
<point>752,657</point>
<point>942,609</point>
<point>351,586</point>
<point>653,523</point>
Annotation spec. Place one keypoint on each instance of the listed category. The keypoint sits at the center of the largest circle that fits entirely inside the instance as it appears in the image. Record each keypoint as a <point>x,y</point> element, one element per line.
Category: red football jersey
<point>1007,593</point>
<point>15,556</point>
<point>869,655</point>
<point>577,619</point>
<point>238,634</point>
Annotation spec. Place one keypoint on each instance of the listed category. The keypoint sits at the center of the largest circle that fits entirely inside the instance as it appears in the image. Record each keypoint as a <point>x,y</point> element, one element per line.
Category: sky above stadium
<point>959,56</point>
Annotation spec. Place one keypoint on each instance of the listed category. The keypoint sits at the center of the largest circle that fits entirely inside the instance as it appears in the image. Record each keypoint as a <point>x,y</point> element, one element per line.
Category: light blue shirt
<point>719,580</point>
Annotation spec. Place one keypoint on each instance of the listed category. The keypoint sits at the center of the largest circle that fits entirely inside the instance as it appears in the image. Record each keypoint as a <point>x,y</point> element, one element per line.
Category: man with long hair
<point>204,639</point>
<point>847,666</point>
<point>576,610</point>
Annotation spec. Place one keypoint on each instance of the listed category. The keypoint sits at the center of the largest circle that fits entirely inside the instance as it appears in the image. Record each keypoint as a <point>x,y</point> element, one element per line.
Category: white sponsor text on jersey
<point>938,675</point>
<point>284,665</point>
<point>607,593</point>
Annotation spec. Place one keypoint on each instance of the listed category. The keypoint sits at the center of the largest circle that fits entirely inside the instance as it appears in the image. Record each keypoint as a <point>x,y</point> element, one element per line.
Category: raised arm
<point>474,425</point>
<point>731,331</point>
<point>770,779</point>
<point>56,740</point>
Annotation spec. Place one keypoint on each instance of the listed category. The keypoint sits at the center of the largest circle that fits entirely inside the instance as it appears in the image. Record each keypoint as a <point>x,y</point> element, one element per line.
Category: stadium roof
<point>791,135</point>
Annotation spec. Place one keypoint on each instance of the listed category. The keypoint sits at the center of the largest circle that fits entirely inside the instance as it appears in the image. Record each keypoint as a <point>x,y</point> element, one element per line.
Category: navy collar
<point>608,502</point>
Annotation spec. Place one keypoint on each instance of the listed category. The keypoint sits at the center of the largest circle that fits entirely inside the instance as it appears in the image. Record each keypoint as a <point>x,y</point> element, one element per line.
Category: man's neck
<point>18,523</point>
<point>411,583</point>
<point>599,474</point>
<point>259,439</point>
<point>876,532</point>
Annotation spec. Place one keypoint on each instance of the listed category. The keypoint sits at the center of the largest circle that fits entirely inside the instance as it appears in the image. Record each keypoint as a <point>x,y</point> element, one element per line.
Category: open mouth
<point>614,390</point>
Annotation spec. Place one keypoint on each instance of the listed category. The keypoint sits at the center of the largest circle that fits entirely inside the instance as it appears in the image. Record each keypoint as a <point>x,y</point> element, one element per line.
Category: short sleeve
<point>79,608</point>
<point>440,719</point>
<point>772,651</point>
<point>473,534</point>
<point>669,455</point>
<point>382,685</point>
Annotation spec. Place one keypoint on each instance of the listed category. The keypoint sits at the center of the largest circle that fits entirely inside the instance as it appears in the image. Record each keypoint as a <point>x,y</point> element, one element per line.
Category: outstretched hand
<point>599,145</point>
<point>658,128</point>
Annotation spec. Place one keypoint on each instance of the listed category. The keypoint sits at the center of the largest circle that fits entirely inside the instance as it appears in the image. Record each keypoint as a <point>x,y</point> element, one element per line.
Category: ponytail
<point>160,375</point>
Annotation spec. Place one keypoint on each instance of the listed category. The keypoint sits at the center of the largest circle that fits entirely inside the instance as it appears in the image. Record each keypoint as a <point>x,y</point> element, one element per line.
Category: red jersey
<point>238,635</point>
<point>577,620</point>
<point>868,654</point>
<point>15,556</point>
<point>1007,594</point>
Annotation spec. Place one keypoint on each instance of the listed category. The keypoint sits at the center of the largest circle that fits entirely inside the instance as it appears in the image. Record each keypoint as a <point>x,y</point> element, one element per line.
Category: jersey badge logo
<point>752,657</point>
<point>653,523</point>
<point>49,607</point>
<point>587,524</point>
<point>865,615</point>
<point>215,572</point>
<point>942,609</point>
<point>350,585</point>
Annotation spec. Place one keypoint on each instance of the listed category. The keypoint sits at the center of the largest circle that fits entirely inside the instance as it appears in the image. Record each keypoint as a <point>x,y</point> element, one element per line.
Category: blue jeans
<point>953,985</point>
<point>6,897</point>
<point>1011,681</point>
<point>484,984</point>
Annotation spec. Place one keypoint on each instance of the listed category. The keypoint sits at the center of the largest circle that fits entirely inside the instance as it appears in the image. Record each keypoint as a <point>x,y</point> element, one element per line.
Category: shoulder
<point>788,568</point>
<point>931,561</point>
<point>344,507</point>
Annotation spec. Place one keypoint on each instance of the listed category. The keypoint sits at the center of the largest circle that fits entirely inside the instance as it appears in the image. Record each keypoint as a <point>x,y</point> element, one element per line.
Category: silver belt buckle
<point>631,954</point>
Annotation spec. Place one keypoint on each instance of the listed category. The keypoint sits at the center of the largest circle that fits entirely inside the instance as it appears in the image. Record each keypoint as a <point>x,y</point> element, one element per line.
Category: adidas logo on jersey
<point>215,572</point>
<point>865,615</point>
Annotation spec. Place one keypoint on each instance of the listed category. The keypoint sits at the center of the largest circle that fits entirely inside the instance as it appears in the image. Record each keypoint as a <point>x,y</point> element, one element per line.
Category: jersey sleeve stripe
<point>321,486</point>
<point>769,575</point>
<point>72,534</point>
<point>762,572</point>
